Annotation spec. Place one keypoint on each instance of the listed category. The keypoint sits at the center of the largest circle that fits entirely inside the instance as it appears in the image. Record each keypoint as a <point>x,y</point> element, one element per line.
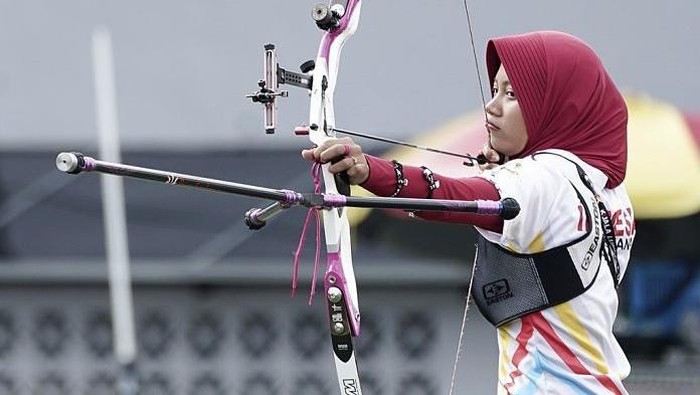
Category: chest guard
<point>508,285</point>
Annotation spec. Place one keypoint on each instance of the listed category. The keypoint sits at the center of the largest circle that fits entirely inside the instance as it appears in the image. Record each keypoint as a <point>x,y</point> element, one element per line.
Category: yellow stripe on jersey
<point>504,339</point>
<point>537,244</point>
<point>578,332</point>
<point>504,345</point>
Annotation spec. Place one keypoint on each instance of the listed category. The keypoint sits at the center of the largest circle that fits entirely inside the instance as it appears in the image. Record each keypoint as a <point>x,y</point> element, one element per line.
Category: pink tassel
<point>315,173</point>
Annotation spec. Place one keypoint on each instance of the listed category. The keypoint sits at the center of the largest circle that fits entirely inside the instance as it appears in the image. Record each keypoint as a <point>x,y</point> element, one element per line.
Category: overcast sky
<point>183,67</point>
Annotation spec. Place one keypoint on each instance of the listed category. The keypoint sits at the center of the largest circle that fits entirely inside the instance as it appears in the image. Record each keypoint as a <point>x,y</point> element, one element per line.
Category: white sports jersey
<point>568,348</point>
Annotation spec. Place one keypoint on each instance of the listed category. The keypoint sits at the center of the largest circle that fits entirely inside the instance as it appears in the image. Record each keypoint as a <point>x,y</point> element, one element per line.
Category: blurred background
<point>212,308</point>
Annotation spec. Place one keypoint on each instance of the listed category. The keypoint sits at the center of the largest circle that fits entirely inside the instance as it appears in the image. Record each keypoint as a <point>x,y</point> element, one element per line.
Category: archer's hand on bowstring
<point>345,156</point>
<point>492,156</point>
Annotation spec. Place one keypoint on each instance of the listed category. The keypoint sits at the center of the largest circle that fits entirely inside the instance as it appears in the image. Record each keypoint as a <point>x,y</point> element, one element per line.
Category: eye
<point>494,91</point>
<point>511,94</point>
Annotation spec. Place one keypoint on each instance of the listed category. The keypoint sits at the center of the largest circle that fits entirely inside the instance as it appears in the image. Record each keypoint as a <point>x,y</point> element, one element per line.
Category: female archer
<point>546,279</point>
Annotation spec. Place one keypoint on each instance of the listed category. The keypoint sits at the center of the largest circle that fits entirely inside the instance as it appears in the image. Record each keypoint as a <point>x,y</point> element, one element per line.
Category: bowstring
<point>460,341</point>
<point>476,59</point>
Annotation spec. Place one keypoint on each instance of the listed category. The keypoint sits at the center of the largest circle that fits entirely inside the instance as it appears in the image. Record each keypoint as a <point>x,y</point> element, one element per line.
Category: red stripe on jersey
<point>565,353</point>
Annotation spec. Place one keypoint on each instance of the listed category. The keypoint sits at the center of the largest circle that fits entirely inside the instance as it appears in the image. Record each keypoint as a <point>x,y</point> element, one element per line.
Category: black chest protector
<point>508,285</point>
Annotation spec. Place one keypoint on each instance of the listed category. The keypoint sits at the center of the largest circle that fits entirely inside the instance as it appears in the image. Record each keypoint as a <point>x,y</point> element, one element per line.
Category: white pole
<point>117,245</point>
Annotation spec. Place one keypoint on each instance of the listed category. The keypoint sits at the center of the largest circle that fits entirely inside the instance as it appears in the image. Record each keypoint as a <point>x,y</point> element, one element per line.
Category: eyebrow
<point>505,82</point>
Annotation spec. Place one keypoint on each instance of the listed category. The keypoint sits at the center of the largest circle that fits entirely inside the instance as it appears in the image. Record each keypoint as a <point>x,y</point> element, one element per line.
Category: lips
<point>491,127</point>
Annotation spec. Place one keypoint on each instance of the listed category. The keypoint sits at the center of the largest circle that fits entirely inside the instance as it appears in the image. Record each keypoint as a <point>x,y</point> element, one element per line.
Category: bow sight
<point>326,18</point>
<point>274,75</point>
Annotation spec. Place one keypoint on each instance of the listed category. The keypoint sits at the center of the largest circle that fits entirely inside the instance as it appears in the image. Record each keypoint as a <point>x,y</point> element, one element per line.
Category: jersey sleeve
<point>382,182</point>
<point>551,214</point>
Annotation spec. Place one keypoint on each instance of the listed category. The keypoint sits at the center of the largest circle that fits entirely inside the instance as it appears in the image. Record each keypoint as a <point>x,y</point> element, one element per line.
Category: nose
<point>492,107</point>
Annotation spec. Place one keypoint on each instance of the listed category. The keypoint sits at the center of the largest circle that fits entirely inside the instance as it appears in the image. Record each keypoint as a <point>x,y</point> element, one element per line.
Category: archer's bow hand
<point>344,155</point>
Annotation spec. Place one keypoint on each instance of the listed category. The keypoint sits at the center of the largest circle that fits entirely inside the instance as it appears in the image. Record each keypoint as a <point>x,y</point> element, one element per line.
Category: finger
<point>342,165</point>
<point>351,148</point>
<point>358,173</point>
<point>308,154</point>
<point>488,166</point>
<point>345,140</point>
<point>330,152</point>
<point>490,153</point>
<point>320,148</point>
<point>339,148</point>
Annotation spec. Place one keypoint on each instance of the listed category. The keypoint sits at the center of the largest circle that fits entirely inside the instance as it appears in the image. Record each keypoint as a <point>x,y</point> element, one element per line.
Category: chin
<point>505,150</point>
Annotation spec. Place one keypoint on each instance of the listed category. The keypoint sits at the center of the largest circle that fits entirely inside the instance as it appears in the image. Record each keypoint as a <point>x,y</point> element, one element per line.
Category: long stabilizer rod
<point>74,163</point>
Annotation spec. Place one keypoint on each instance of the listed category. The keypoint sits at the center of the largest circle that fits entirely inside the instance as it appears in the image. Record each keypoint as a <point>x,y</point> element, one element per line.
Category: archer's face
<point>506,125</point>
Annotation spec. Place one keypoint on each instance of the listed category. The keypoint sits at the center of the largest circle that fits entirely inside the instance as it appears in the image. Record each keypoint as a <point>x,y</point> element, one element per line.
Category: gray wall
<point>60,345</point>
<point>183,66</point>
<point>189,345</point>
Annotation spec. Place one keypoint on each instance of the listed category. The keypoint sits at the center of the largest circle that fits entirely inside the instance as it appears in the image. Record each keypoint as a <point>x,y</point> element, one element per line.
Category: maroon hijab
<point>567,98</point>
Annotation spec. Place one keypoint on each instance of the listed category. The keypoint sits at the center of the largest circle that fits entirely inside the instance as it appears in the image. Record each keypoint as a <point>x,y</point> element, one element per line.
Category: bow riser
<point>322,120</point>
<point>339,282</point>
